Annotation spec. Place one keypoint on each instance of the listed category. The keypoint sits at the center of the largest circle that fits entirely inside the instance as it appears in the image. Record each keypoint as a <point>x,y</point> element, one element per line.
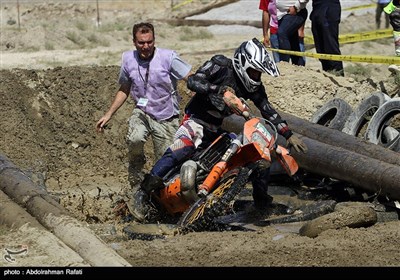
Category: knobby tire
<point>200,216</point>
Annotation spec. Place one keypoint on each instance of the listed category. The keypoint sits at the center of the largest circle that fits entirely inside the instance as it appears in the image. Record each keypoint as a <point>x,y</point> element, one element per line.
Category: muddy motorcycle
<point>206,186</point>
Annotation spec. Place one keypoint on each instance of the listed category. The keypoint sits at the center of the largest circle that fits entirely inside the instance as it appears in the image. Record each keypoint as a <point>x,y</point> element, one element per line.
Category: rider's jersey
<point>206,83</point>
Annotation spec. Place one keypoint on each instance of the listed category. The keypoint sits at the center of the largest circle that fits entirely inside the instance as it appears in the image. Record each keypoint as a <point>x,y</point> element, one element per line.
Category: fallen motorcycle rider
<point>204,115</point>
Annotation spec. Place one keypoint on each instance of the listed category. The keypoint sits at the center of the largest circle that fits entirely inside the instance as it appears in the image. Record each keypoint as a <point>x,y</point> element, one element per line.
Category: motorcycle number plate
<point>264,131</point>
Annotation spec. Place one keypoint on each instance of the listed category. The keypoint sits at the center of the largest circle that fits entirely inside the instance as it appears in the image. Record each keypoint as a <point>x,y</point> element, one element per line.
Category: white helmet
<point>253,55</point>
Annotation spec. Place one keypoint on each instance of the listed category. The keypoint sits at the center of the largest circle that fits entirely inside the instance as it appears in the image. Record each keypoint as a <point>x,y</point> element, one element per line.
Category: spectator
<point>149,75</point>
<point>270,29</point>
<point>302,60</point>
<point>393,10</point>
<point>325,18</point>
<point>270,25</point>
<point>380,5</point>
<point>291,16</point>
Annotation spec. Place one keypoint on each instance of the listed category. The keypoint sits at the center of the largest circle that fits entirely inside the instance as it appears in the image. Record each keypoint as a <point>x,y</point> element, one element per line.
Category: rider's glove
<point>223,89</point>
<point>217,98</point>
<point>297,144</point>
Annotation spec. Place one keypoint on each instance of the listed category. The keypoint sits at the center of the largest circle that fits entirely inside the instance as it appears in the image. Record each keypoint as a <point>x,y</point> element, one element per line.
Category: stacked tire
<point>376,119</point>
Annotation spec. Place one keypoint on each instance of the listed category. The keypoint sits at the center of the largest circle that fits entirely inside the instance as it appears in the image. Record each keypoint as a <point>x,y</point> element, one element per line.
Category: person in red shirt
<point>270,25</point>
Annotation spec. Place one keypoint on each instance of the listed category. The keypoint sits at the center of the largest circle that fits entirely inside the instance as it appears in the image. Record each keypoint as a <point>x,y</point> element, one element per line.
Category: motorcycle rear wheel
<point>200,216</point>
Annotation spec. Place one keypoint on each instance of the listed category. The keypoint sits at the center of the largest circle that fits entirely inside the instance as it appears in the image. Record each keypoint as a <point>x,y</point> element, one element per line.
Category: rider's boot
<point>139,204</point>
<point>262,200</point>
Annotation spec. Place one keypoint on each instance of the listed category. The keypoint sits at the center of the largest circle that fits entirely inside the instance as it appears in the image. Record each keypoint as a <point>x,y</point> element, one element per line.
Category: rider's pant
<point>189,136</point>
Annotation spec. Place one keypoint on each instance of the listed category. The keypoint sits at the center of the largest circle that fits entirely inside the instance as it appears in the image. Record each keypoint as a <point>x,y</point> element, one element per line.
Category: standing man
<point>149,75</point>
<point>302,60</point>
<point>393,10</point>
<point>270,29</point>
<point>292,14</point>
<point>325,18</point>
<point>270,26</point>
<point>380,5</point>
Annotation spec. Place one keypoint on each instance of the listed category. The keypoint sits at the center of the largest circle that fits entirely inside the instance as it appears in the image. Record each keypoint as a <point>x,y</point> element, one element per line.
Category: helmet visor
<point>254,74</point>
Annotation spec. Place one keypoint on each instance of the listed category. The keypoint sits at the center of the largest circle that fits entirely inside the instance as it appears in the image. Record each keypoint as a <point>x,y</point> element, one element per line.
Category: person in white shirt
<point>291,16</point>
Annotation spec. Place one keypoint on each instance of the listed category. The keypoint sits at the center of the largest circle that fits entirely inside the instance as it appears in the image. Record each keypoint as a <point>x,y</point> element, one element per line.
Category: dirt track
<point>48,127</point>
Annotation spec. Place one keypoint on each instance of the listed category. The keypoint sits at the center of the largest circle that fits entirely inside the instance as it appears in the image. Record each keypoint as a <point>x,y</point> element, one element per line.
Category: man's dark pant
<point>325,21</point>
<point>289,37</point>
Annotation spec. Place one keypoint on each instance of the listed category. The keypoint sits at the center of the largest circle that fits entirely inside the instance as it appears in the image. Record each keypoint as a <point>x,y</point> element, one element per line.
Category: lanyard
<point>146,77</point>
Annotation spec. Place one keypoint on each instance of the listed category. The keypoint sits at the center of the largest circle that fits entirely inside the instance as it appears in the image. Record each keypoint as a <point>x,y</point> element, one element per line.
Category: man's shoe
<point>394,68</point>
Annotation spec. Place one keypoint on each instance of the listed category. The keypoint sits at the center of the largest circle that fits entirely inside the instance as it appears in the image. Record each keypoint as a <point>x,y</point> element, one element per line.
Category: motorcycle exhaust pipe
<point>188,181</point>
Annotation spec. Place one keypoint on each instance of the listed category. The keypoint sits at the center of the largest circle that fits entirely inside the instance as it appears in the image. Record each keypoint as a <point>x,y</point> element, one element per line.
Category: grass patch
<point>114,27</point>
<point>48,46</point>
<point>357,71</point>
<point>205,34</point>
<point>75,38</point>
<point>81,25</point>
<point>187,34</point>
<point>96,40</point>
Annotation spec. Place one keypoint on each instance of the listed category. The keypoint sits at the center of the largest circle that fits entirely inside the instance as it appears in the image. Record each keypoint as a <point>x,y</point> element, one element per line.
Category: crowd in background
<point>283,28</point>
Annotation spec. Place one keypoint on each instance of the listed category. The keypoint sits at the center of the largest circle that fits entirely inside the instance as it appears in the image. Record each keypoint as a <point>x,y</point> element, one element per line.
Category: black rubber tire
<point>384,117</point>
<point>333,114</point>
<point>215,204</point>
<point>357,122</point>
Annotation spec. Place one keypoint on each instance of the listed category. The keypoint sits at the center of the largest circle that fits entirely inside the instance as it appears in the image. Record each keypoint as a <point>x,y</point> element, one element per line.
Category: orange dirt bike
<point>206,186</point>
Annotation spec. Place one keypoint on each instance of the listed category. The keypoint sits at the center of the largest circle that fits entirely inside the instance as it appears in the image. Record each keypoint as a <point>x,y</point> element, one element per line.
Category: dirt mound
<point>52,113</point>
<point>48,124</point>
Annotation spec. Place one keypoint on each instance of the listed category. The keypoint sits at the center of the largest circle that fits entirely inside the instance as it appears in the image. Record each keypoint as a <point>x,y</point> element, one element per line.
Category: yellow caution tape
<point>357,37</point>
<point>366,6</point>
<point>365,36</point>
<point>353,58</point>
<point>181,4</point>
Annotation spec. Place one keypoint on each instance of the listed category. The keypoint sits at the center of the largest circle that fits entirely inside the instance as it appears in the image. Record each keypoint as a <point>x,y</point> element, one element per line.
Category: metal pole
<point>98,13</point>
<point>19,24</point>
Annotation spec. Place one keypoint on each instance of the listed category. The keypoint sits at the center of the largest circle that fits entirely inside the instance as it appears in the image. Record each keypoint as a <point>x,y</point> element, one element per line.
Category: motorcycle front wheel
<point>200,216</point>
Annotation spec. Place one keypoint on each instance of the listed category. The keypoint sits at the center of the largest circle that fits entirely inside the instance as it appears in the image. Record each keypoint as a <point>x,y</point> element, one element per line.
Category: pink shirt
<point>270,7</point>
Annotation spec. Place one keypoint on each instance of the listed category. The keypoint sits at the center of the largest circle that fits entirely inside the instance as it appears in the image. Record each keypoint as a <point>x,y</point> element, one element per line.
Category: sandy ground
<point>53,90</point>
